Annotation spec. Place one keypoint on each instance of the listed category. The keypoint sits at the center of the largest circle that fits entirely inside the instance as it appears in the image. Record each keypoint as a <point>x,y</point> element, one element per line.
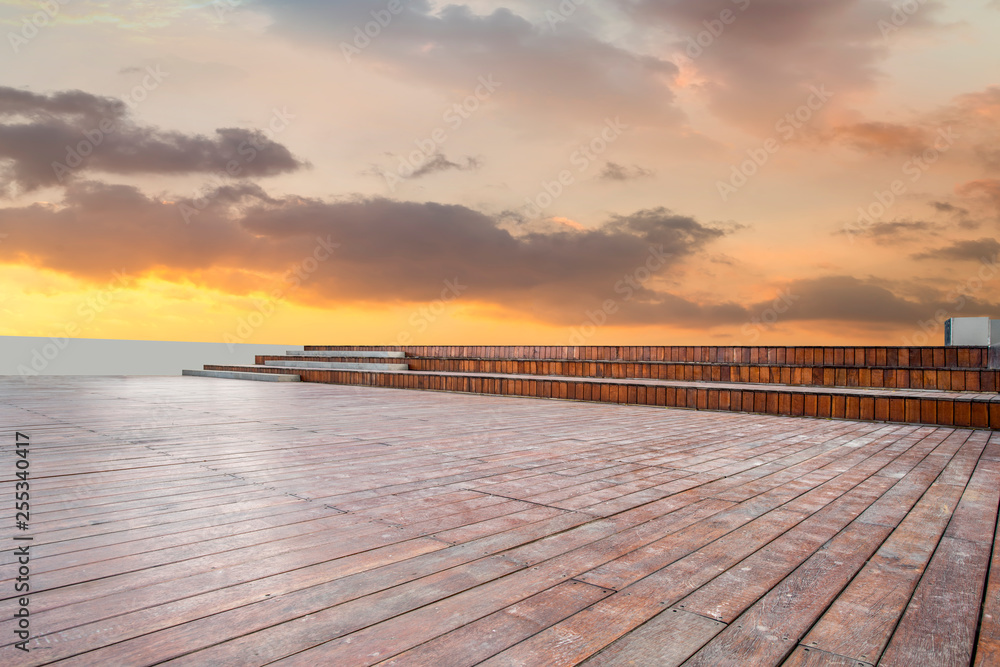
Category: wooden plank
<point>291,638</point>
<point>189,559</point>
<point>145,609</point>
<point>861,620</point>
<point>940,622</point>
<point>804,656</point>
<point>988,646</point>
<point>975,518</point>
<point>391,637</point>
<point>730,594</point>
<point>311,617</point>
<point>656,555</point>
<point>478,529</point>
<point>666,640</point>
<point>584,634</point>
<point>770,630</point>
<point>474,642</point>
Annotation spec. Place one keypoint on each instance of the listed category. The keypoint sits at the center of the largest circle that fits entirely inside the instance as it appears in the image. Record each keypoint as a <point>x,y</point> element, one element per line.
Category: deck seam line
<point>856,661</point>
<point>561,509</point>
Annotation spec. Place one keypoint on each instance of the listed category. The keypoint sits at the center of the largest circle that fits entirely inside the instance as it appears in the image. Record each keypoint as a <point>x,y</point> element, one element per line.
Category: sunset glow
<point>630,172</point>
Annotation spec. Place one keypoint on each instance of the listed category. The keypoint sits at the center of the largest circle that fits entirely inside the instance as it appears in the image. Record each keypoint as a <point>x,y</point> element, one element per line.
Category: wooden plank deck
<point>196,521</point>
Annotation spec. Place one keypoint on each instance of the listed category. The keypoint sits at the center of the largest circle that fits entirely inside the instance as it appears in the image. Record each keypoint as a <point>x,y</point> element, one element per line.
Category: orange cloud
<point>988,187</point>
<point>877,137</point>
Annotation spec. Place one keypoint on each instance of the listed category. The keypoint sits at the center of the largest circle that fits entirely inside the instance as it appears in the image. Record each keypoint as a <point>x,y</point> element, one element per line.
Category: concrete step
<point>244,375</point>
<point>346,354</point>
<point>336,365</point>
<point>911,406</point>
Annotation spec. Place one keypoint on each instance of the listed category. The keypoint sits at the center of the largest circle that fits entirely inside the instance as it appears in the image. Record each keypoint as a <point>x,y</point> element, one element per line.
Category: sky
<point>583,172</point>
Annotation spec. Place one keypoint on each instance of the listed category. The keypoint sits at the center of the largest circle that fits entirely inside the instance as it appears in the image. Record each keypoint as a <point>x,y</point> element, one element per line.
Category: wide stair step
<point>937,386</point>
<point>886,357</point>
<point>947,379</point>
<point>334,365</point>
<point>349,354</point>
<point>243,375</point>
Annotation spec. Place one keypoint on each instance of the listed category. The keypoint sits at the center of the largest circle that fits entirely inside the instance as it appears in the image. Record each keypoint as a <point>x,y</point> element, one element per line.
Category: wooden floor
<point>196,521</point>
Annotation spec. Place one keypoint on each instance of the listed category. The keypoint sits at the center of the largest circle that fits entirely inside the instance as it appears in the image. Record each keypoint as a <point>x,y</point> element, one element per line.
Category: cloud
<point>896,231</point>
<point>988,188</point>
<point>388,252</point>
<point>568,72</point>
<point>946,207</point>
<point>969,125</point>
<point>887,138</point>
<point>438,162</point>
<point>762,61</point>
<point>850,300</point>
<point>50,139</point>
<point>984,104</point>
<point>615,172</point>
<point>75,103</point>
<point>969,250</point>
<point>404,250</point>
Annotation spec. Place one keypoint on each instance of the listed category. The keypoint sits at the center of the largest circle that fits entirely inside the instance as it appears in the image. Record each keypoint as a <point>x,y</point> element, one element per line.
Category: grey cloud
<point>968,250</point>
<point>896,231</point>
<point>849,299</point>
<point>438,162</point>
<point>390,251</point>
<point>613,171</point>
<point>49,139</point>
<point>75,103</point>
<point>405,249</point>
<point>568,71</point>
<point>846,299</point>
<point>762,64</point>
<point>946,207</point>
